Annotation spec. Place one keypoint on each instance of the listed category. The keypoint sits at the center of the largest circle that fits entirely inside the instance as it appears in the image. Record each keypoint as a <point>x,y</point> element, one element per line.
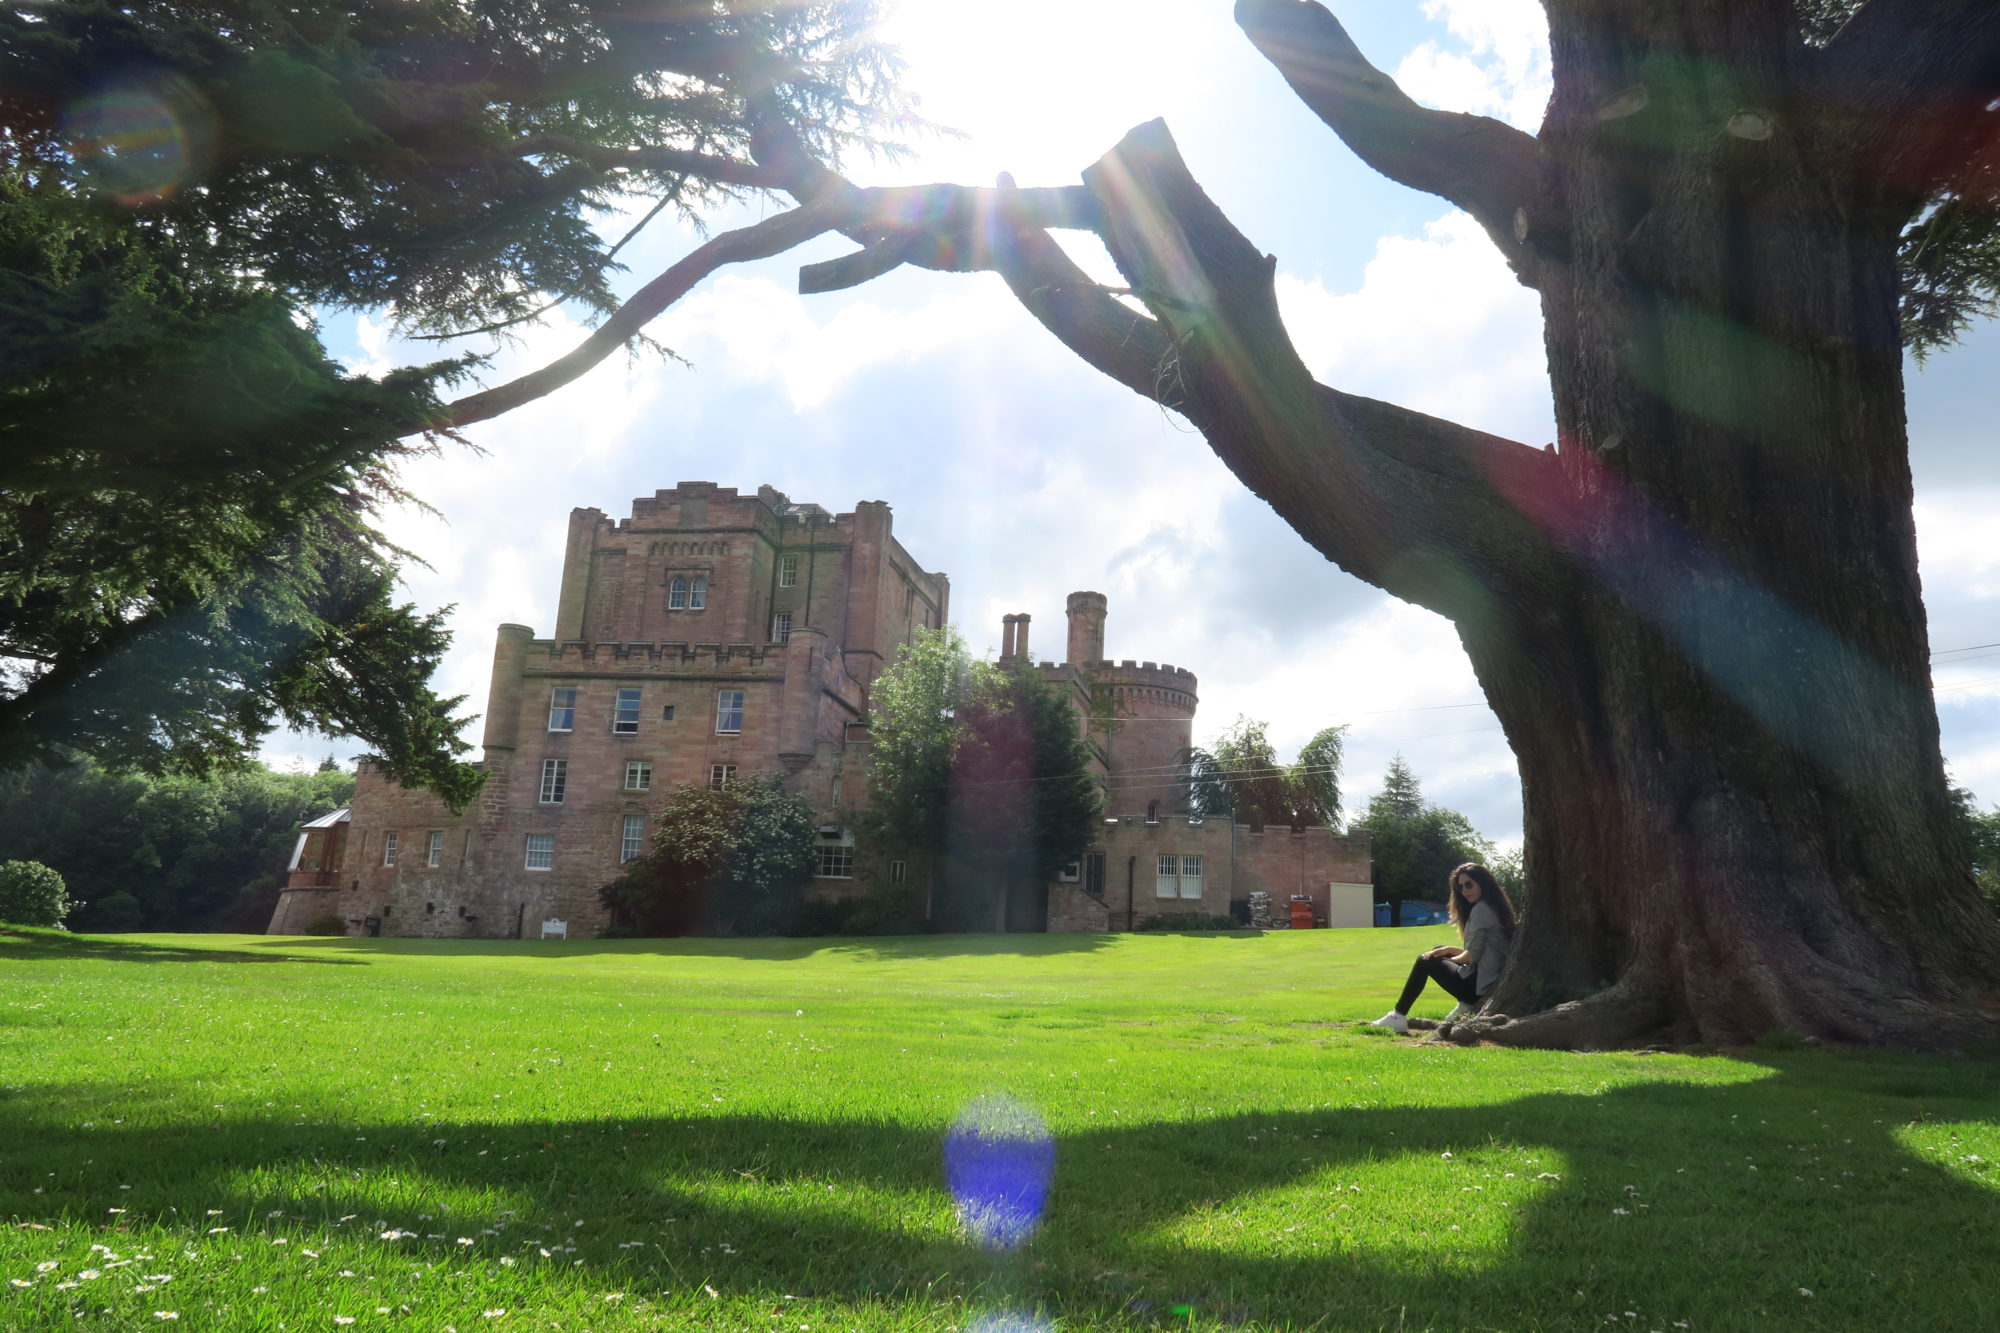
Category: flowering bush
<point>32,894</point>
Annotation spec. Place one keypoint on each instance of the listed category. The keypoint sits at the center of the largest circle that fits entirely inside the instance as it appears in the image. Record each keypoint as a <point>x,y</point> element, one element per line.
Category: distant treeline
<point>172,854</point>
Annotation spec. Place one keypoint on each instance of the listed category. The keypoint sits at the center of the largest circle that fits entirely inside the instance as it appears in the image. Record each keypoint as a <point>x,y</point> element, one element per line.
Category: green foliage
<point>1509,868</point>
<point>1415,844</point>
<point>978,762</point>
<point>1243,778</point>
<point>188,483</point>
<point>727,860</point>
<point>1979,834</point>
<point>32,894</point>
<point>327,924</point>
<point>1187,921</point>
<point>172,853</point>
<point>884,911</point>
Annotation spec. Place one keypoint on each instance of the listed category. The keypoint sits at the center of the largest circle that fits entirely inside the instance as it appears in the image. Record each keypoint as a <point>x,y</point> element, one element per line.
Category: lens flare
<point>998,1159</point>
<point>1008,1321</point>
<point>140,139</point>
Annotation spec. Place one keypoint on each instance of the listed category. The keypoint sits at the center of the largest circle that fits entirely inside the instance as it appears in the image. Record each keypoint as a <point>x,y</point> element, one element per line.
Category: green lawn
<point>259,1134</point>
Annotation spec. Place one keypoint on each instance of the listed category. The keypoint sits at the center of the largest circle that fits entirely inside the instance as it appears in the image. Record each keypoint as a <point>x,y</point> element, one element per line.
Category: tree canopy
<point>191,484</point>
<point>1242,778</point>
<point>728,859</point>
<point>979,761</point>
<point>1415,844</point>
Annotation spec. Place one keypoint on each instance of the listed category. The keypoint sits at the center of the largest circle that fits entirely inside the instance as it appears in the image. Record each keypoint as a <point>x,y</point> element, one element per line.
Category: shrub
<point>32,894</point>
<point>329,924</point>
<point>614,931</point>
<point>115,914</point>
<point>1187,921</point>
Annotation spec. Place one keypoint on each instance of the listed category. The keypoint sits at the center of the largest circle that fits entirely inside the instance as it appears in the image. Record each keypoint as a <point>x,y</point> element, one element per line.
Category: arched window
<point>677,595</point>
<point>1152,812</point>
<point>698,595</point>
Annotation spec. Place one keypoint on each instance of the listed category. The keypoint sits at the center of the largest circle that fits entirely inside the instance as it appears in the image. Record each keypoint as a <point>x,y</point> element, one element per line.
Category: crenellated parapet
<point>1160,685</point>
<point>570,656</point>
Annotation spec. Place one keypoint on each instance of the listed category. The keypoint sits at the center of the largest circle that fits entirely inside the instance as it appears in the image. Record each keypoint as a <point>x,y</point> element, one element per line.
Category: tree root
<point>1632,1008</point>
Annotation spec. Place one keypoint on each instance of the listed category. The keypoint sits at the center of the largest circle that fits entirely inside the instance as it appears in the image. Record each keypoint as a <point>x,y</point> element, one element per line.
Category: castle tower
<point>1086,627</point>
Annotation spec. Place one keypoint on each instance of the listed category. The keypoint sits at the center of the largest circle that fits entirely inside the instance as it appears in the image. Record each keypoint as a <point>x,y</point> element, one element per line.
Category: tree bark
<point>1697,613</point>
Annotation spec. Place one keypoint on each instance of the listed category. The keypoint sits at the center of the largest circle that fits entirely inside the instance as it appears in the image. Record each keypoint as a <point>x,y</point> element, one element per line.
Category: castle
<point>712,633</point>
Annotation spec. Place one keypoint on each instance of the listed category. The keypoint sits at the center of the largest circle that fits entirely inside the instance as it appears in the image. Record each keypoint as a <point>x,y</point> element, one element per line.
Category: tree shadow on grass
<point>766,948</point>
<point>19,945</point>
<point>1640,1197</point>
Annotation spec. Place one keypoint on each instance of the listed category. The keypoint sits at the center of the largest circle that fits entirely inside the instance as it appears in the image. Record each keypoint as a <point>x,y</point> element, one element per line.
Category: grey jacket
<point>1485,945</point>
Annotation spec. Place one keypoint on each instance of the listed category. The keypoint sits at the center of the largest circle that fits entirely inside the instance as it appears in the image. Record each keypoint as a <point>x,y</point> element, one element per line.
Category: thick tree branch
<point>1914,80</point>
<point>774,235</point>
<point>1490,169</point>
<point>1428,510</point>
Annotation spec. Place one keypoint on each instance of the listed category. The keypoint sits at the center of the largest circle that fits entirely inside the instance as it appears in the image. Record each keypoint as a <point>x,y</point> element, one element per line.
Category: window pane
<point>562,710</point>
<point>541,851</point>
<point>1168,883</point>
<point>639,775</point>
<point>435,852</point>
<point>555,776</point>
<point>729,711</point>
<point>781,627</point>
<point>788,571</point>
<point>698,594</point>
<point>625,713</point>
<point>720,774</point>
<point>388,849</point>
<point>1190,877</point>
<point>833,862</point>
<point>632,837</point>
<point>677,595</point>
<point>898,872</point>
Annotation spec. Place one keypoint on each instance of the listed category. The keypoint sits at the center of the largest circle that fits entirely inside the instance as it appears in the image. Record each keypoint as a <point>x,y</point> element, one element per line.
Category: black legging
<point>1457,980</point>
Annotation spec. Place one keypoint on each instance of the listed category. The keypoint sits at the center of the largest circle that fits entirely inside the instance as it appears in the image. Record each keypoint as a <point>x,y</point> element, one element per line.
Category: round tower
<point>1086,628</point>
<point>1151,715</point>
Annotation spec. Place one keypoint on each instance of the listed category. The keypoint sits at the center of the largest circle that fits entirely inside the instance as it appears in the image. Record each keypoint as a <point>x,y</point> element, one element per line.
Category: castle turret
<point>1086,627</point>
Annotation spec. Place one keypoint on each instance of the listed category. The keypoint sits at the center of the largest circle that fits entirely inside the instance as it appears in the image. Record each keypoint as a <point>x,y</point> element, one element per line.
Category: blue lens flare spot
<point>999,1158</point>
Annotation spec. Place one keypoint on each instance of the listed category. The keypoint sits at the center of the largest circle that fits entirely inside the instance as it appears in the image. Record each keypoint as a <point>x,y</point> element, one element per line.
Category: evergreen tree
<point>1415,845</point>
<point>727,860</point>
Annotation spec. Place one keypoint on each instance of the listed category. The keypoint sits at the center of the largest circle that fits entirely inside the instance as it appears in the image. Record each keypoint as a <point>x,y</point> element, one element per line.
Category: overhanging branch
<point>1486,167</point>
<point>1915,80</point>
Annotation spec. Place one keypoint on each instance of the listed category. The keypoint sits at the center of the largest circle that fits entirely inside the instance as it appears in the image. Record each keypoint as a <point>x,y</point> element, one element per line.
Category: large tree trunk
<point>1696,612</point>
<point>1736,809</point>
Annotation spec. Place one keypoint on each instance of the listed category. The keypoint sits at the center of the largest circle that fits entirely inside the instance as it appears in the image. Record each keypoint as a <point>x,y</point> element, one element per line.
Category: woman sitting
<point>1485,921</point>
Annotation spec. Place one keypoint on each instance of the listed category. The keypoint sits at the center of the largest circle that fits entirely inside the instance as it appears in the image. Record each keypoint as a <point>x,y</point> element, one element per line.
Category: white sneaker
<point>1463,1011</point>
<point>1393,1021</point>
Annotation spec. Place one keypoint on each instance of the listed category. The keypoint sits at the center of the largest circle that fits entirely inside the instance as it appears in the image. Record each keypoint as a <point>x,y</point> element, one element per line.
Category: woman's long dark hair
<point>1489,892</point>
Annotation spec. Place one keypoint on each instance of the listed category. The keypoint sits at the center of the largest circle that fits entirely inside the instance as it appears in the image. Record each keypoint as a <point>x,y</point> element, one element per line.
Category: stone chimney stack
<point>1021,637</point>
<point>1007,636</point>
<point>1086,627</point>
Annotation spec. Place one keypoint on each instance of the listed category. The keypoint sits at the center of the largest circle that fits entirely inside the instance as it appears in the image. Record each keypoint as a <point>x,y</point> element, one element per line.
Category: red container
<point>1302,914</point>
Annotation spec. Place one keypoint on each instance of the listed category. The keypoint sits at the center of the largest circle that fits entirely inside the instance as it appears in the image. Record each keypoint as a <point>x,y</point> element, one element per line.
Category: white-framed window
<point>562,709</point>
<point>631,838</point>
<point>389,848</point>
<point>781,627</point>
<point>728,712</point>
<point>833,860</point>
<point>899,871</point>
<point>625,713</point>
<point>555,777</point>
<point>719,775</point>
<point>697,594</point>
<point>638,775</point>
<point>1070,873</point>
<point>1179,877</point>
<point>434,851</point>
<point>677,593</point>
<point>541,851</point>
<point>788,571</point>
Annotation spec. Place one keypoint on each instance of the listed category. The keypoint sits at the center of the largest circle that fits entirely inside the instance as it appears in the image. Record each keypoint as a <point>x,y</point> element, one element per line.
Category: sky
<point>1024,475</point>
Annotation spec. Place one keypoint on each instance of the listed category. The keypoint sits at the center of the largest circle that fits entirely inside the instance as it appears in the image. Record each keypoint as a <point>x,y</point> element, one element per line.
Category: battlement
<point>632,656</point>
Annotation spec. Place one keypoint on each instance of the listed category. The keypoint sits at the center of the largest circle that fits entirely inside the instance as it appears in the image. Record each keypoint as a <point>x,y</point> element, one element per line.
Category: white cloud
<point>1438,325</point>
<point>1503,70</point>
